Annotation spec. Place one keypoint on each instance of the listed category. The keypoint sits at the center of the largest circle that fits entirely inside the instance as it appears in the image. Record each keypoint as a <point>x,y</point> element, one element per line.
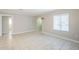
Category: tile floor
<point>35,41</point>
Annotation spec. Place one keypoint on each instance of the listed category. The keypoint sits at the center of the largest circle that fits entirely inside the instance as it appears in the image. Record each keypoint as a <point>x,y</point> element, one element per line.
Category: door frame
<point>1,20</point>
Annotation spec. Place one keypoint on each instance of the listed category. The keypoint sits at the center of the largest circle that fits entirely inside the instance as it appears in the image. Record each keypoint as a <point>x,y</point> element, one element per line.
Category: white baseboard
<point>65,38</point>
<point>23,32</point>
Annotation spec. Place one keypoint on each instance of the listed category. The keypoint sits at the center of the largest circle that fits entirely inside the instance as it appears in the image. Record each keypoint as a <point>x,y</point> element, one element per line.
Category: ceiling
<point>30,12</point>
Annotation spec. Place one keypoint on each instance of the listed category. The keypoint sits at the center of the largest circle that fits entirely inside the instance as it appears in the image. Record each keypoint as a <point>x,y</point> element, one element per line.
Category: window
<point>61,22</point>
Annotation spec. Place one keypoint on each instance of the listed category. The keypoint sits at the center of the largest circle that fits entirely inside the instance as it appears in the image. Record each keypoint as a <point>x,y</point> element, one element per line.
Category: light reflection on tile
<point>9,40</point>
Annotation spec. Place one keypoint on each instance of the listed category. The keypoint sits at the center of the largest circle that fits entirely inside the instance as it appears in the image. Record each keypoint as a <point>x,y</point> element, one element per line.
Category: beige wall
<point>23,23</point>
<point>73,20</point>
<point>0,25</point>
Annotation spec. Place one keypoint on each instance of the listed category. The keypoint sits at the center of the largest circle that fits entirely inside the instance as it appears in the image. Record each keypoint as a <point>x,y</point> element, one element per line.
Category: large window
<point>61,22</point>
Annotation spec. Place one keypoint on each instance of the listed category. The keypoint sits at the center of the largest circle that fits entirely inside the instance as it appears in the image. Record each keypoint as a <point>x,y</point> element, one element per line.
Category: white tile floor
<point>36,41</point>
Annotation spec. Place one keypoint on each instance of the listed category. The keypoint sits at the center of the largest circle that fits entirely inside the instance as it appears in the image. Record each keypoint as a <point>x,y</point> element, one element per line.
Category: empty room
<point>39,29</point>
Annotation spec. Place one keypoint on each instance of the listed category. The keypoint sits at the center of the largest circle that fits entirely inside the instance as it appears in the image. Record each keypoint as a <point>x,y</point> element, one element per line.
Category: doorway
<point>39,24</point>
<point>7,25</point>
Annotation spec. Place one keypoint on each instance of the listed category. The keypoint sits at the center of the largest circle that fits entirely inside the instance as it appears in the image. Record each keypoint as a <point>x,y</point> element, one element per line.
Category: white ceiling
<point>31,12</point>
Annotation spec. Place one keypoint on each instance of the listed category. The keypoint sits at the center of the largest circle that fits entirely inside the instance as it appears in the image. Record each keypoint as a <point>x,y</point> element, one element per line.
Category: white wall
<point>23,23</point>
<point>74,24</point>
<point>0,25</point>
